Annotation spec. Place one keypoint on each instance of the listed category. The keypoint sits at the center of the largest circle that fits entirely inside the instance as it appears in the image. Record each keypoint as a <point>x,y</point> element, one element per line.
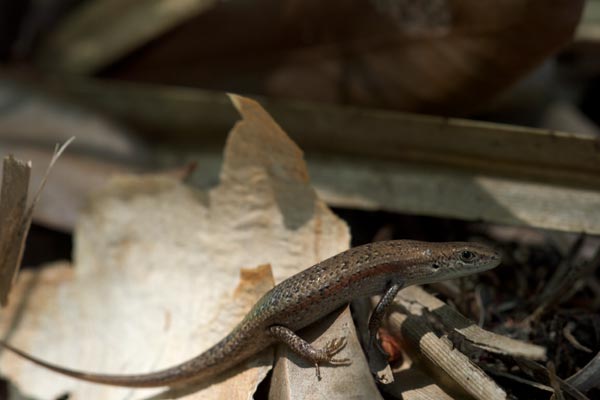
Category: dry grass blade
<point>519,379</point>
<point>547,376</point>
<point>554,382</point>
<point>588,377</point>
<point>562,284</point>
<point>568,334</point>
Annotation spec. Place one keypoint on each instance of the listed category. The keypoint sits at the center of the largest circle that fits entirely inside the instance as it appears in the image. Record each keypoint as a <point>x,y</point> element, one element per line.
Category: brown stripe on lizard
<point>372,269</point>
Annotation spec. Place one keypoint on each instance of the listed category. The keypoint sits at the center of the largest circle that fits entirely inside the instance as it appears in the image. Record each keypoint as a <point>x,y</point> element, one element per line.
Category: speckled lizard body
<point>377,268</point>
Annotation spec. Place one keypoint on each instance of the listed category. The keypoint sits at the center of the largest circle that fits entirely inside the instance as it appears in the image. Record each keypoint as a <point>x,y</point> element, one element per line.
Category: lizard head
<point>441,261</point>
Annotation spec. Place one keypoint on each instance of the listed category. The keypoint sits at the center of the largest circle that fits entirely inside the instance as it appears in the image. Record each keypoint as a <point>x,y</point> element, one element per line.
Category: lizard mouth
<point>494,260</point>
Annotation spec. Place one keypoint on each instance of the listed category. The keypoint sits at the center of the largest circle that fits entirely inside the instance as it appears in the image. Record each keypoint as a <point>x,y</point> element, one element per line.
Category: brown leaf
<point>443,56</point>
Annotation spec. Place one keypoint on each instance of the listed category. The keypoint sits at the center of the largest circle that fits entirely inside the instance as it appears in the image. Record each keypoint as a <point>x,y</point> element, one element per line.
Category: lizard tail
<point>214,361</point>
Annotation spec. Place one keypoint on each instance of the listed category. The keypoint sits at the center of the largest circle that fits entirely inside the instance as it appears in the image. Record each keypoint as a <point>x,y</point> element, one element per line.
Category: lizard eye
<point>435,267</point>
<point>467,256</point>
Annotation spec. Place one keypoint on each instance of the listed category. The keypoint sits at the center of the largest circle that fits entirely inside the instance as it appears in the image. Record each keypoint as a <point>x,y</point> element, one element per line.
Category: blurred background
<point>142,85</point>
<point>425,119</point>
<point>509,60</point>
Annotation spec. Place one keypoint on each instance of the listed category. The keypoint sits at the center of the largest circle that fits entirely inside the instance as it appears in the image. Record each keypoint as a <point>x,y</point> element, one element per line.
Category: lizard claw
<point>328,352</point>
<point>318,371</point>
<point>334,346</point>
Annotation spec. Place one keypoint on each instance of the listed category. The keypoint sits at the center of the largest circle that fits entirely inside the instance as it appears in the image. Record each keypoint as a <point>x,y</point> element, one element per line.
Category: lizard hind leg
<point>309,352</point>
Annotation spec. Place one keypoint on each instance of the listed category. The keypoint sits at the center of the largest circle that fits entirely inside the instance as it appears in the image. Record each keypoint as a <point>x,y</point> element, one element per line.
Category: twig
<point>568,334</point>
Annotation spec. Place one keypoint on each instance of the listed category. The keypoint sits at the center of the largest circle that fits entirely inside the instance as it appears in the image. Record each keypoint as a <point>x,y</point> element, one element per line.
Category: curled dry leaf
<point>156,263</point>
<point>464,53</point>
<point>442,56</point>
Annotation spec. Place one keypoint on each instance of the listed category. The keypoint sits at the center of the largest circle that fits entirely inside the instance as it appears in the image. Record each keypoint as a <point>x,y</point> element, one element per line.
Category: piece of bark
<point>13,225</point>
<point>16,216</point>
<point>416,384</point>
<point>71,182</point>
<point>444,359</point>
<point>481,338</point>
<point>156,263</point>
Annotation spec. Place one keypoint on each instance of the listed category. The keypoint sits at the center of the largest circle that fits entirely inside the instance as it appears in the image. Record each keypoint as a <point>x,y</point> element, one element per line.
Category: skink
<point>371,269</point>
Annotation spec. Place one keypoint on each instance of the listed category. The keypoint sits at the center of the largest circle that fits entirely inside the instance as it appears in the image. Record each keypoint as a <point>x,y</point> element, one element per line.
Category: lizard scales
<point>376,268</point>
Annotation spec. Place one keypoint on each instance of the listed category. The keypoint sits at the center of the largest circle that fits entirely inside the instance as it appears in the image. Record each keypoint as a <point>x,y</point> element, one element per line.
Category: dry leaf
<point>442,56</point>
<point>156,264</point>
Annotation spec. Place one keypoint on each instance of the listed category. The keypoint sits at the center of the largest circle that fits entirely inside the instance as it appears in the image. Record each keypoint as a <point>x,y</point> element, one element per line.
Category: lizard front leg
<point>380,312</point>
<point>309,352</point>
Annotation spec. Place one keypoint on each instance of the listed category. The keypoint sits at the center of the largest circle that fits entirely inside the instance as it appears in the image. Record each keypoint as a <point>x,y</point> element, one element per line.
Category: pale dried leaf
<point>156,263</point>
